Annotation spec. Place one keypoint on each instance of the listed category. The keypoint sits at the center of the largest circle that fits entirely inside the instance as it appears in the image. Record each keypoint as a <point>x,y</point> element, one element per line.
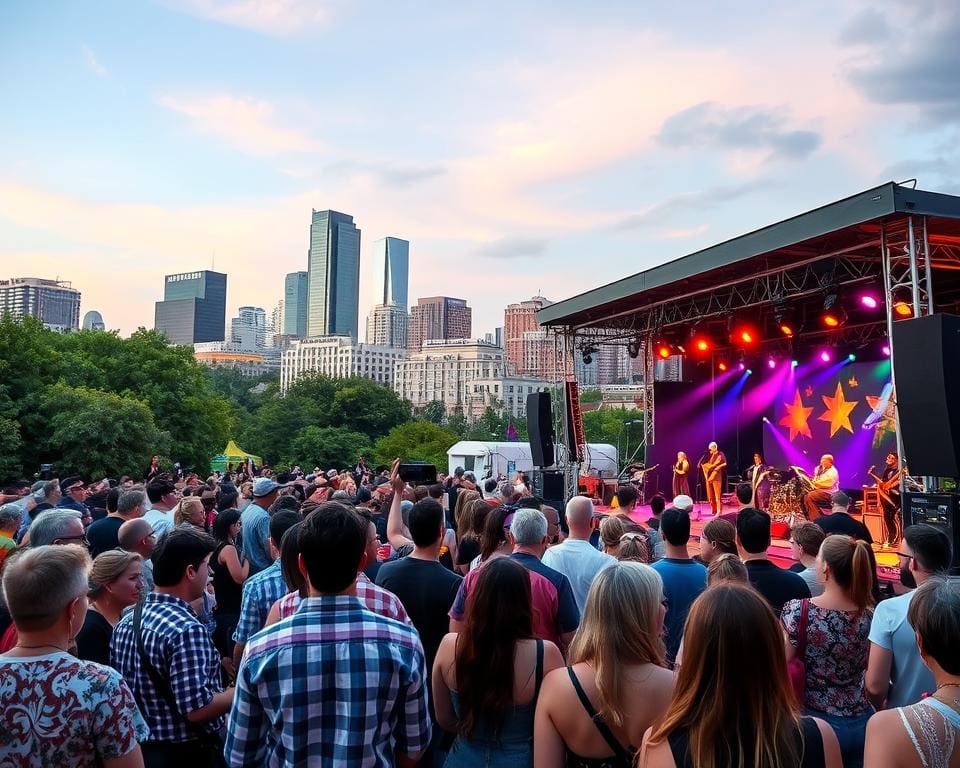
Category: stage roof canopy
<point>837,243</point>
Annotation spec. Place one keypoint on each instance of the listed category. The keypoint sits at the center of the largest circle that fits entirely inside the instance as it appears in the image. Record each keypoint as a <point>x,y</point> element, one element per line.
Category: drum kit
<point>782,491</point>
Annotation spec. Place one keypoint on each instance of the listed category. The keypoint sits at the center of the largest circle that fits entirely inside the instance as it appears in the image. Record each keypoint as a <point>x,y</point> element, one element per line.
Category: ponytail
<point>852,565</point>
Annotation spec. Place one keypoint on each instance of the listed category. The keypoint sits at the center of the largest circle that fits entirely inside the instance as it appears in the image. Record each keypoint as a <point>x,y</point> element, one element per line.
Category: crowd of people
<point>346,617</point>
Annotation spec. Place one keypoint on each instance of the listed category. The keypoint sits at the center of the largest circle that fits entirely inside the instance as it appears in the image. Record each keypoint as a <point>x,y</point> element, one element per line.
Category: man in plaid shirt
<point>180,649</point>
<point>334,684</point>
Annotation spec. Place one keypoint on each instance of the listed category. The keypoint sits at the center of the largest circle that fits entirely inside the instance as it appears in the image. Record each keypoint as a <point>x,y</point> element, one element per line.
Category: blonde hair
<point>39,583</point>
<point>726,567</point>
<point>108,567</point>
<point>611,529</point>
<point>634,547</point>
<point>464,497</point>
<point>620,625</point>
<point>181,515</point>
<point>851,563</point>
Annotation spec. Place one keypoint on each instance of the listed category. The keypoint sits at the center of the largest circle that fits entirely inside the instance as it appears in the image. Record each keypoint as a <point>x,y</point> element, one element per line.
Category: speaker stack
<point>540,429</point>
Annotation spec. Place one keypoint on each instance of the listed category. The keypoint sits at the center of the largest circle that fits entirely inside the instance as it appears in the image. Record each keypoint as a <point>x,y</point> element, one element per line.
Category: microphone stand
<point>697,489</point>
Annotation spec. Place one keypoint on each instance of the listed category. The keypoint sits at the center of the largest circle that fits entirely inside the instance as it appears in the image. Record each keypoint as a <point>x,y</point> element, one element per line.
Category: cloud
<point>90,59</point>
<point>247,124</point>
<point>513,247</point>
<point>281,18</point>
<point>402,176</point>
<point>867,27</point>
<point>386,171</point>
<point>711,125</point>
<point>689,202</point>
<point>920,67</point>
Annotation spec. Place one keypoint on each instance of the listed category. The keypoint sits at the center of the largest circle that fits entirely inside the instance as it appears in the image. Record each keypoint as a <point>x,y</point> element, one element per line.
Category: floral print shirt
<point>57,710</point>
<point>836,657</point>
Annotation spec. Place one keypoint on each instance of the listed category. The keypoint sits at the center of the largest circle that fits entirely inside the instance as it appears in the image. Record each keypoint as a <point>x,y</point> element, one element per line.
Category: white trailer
<point>495,458</point>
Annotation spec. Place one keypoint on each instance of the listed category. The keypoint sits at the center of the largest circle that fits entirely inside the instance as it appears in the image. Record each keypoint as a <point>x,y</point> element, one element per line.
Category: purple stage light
<point>886,350</point>
<point>825,356</point>
<point>743,367</point>
<point>869,301</point>
<point>771,363</point>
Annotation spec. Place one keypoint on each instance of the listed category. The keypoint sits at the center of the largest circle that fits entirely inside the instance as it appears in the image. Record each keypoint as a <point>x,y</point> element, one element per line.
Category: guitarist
<point>713,475</point>
<point>888,490</point>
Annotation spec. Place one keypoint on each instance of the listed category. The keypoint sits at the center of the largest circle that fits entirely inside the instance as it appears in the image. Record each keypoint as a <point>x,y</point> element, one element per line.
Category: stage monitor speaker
<point>540,428</point>
<point>549,486</point>
<point>926,360</point>
<point>941,510</point>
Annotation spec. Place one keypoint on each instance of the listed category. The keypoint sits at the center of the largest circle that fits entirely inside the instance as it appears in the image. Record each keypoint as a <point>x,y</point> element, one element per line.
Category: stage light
<point>588,351</point>
<point>722,366</point>
<point>886,349</point>
<point>766,420</point>
<point>834,318</point>
<point>743,366</point>
<point>794,363</point>
<point>749,371</point>
<point>664,350</point>
<point>784,317</point>
<point>744,336</point>
<point>771,363</point>
<point>902,309</point>
<point>851,357</point>
<point>633,348</point>
<point>787,329</point>
<point>825,356</point>
<point>869,301</point>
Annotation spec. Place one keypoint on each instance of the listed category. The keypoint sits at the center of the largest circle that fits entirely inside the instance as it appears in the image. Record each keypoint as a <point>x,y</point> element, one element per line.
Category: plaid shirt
<point>374,597</point>
<point>260,592</point>
<point>334,684</point>
<point>180,648</point>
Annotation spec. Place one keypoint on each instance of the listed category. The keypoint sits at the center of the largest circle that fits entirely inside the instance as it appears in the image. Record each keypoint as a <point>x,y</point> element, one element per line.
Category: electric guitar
<point>642,474</point>
<point>884,486</point>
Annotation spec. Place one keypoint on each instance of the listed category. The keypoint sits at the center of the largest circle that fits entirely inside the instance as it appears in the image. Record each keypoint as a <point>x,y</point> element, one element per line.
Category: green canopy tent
<point>232,456</point>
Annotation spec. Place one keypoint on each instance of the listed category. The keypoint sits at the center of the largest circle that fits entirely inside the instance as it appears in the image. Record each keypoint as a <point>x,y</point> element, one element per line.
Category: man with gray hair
<point>555,613</point>
<point>576,558</point>
<point>55,526</point>
<point>103,535</point>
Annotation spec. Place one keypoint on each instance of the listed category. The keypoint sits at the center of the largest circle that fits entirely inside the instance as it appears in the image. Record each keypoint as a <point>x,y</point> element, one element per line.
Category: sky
<point>521,147</point>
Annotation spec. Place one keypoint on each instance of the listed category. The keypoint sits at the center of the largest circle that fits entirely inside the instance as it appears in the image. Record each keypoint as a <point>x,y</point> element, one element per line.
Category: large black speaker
<point>540,428</point>
<point>549,486</point>
<point>938,509</point>
<point>926,364</point>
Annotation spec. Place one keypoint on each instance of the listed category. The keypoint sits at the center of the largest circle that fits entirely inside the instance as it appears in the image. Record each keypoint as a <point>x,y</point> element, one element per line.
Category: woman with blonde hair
<point>837,619</point>
<point>611,531</point>
<point>634,547</point>
<point>727,567</point>
<point>735,706</point>
<point>115,584</point>
<point>595,711</point>
<point>460,516</point>
<point>189,511</point>
<point>56,709</point>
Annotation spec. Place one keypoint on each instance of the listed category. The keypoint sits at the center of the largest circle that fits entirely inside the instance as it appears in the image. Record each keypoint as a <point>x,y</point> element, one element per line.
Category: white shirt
<point>579,561</point>
<point>160,520</point>
<point>828,480</point>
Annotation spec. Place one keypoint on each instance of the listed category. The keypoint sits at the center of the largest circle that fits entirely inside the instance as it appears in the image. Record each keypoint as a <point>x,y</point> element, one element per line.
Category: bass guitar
<point>884,486</point>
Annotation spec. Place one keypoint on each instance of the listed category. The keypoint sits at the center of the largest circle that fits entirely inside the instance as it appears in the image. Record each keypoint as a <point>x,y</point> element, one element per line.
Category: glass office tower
<point>333,275</point>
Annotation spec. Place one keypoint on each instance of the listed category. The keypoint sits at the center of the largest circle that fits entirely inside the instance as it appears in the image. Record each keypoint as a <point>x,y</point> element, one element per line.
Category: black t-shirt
<point>93,640</point>
<point>103,534</point>
<point>841,522</point>
<point>467,549</point>
<point>427,590</point>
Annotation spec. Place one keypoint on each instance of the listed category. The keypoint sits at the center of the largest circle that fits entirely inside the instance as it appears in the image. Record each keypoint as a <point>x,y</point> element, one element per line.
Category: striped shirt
<point>375,598</point>
<point>333,684</point>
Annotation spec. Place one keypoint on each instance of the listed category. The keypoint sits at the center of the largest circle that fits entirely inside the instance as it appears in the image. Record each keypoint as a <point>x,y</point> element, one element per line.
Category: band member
<point>681,475</point>
<point>754,476</point>
<point>889,483</point>
<point>713,474</point>
<point>826,482</point>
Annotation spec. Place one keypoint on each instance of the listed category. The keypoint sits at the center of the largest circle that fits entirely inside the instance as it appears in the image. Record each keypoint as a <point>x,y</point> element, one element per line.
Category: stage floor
<point>779,551</point>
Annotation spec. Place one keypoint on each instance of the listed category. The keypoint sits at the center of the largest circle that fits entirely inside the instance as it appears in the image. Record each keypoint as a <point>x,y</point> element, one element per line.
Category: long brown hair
<point>735,699</point>
<point>464,497</point>
<point>499,614</point>
<point>467,522</point>
<point>621,625</point>
<point>852,565</point>
<point>493,533</point>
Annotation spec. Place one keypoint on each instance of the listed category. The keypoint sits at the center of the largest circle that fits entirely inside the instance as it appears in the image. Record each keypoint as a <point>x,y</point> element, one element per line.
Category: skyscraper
<point>294,305</point>
<point>387,326</point>
<point>531,350</point>
<point>194,307</point>
<point>438,317</point>
<point>391,269</point>
<point>333,267</point>
<point>93,321</point>
<point>55,303</point>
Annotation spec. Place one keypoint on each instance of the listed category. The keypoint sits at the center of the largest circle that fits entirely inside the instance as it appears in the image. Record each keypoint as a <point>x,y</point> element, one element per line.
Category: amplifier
<point>939,509</point>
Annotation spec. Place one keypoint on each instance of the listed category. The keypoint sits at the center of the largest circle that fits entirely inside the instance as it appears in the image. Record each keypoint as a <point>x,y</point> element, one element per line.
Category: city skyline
<point>504,159</point>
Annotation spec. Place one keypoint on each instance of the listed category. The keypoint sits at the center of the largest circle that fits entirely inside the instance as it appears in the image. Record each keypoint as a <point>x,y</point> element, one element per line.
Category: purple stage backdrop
<point>845,409</point>
<point>792,415</point>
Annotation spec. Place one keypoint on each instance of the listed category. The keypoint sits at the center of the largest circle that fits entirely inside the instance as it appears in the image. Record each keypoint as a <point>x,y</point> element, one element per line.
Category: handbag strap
<point>802,628</point>
<point>618,751</point>
<point>160,683</point>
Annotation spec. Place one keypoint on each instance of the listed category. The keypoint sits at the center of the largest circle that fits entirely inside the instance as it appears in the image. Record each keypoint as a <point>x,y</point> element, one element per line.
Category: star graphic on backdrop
<point>808,392</point>
<point>852,382</point>
<point>796,418</point>
<point>886,425</point>
<point>838,411</point>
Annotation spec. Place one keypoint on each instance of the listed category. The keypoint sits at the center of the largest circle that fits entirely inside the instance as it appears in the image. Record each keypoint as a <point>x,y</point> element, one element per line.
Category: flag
<point>512,435</point>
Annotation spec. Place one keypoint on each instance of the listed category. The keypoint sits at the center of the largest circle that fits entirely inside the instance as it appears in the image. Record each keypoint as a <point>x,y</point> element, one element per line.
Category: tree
<point>326,447</point>
<point>97,434</point>
<point>614,426</point>
<point>364,406</point>
<point>434,411</point>
<point>458,423</point>
<point>415,441</point>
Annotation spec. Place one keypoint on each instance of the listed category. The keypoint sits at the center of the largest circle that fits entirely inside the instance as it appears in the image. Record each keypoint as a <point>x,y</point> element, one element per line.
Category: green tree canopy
<point>326,447</point>
<point>434,411</point>
<point>416,441</point>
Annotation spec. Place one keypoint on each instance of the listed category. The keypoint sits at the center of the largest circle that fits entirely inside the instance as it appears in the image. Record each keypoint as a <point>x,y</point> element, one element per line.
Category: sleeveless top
<point>812,746</point>
<point>932,727</point>
<point>511,747</point>
<point>621,757</point>
<point>227,590</point>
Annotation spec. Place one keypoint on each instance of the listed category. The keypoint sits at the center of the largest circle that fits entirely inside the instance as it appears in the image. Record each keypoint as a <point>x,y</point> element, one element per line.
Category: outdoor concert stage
<point>779,552</point>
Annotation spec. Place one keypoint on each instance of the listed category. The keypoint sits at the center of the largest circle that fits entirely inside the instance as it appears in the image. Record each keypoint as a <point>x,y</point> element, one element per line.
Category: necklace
<point>42,645</point>
<point>956,700</point>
